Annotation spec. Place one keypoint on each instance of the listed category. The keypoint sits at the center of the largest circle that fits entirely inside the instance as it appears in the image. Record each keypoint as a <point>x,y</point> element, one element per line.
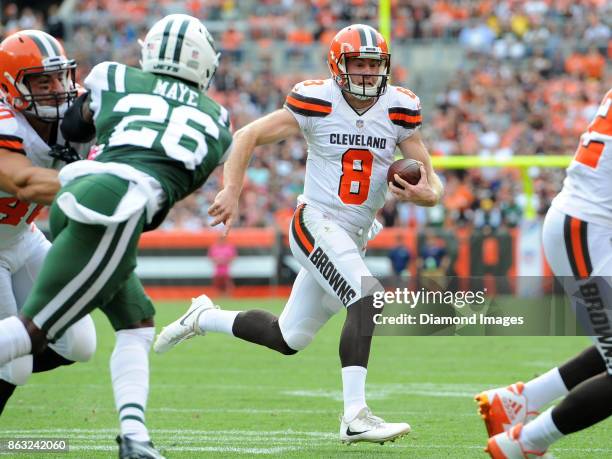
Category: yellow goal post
<point>523,163</point>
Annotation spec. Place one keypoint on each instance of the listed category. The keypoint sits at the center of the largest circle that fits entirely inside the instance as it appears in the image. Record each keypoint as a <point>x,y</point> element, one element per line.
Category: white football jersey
<point>349,153</point>
<point>18,136</point>
<point>587,189</point>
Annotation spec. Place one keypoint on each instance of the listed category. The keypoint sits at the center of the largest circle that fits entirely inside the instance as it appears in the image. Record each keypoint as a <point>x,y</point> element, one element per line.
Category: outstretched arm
<point>29,183</point>
<point>272,128</point>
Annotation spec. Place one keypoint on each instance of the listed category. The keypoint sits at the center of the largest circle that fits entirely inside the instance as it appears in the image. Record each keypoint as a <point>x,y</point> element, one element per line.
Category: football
<point>408,169</point>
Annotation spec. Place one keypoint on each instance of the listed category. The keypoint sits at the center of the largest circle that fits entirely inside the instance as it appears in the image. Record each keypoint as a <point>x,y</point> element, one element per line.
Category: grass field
<point>220,397</point>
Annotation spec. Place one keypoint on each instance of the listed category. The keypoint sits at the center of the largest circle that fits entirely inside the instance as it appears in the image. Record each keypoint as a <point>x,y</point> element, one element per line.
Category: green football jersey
<point>159,125</point>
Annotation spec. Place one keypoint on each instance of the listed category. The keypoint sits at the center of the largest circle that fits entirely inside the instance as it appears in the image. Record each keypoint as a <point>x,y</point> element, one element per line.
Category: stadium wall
<point>174,264</point>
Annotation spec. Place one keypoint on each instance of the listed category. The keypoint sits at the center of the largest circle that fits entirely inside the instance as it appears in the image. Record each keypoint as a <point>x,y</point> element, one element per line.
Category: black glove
<point>64,153</point>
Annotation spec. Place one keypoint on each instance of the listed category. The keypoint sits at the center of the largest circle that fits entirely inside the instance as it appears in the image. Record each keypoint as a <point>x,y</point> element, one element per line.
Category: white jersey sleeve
<point>12,135</point>
<point>404,111</point>
<point>587,189</point>
<point>97,81</point>
<point>309,101</point>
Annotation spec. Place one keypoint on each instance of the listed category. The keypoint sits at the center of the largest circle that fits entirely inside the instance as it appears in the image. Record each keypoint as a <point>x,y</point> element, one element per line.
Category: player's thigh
<point>129,305</point>
<point>580,255</point>
<point>101,258</point>
<point>24,278</point>
<point>306,311</point>
<point>329,254</point>
<point>8,304</point>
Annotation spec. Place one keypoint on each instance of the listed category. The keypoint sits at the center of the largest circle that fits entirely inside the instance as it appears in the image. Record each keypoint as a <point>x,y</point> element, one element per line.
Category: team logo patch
<point>359,124</point>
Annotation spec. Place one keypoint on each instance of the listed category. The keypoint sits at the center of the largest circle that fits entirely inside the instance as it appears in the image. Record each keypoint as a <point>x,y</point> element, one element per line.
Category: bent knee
<point>18,371</point>
<point>79,342</point>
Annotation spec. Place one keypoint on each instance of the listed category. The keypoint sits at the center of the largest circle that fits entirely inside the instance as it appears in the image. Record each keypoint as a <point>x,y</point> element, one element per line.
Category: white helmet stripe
<point>368,37</point>
<point>50,50</point>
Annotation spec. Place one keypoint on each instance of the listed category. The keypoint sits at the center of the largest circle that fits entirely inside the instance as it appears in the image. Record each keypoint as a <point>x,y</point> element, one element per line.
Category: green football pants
<point>90,265</point>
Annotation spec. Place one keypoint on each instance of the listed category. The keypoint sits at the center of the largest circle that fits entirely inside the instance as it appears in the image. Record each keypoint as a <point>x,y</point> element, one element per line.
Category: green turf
<point>219,397</point>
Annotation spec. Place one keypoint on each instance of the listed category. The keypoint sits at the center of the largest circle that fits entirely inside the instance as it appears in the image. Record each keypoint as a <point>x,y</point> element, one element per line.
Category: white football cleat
<point>506,445</point>
<point>367,427</point>
<point>184,327</point>
<point>503,408</point>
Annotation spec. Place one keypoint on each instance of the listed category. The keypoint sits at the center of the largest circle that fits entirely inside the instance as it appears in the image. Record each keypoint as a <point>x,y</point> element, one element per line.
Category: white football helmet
<point>180,46</point>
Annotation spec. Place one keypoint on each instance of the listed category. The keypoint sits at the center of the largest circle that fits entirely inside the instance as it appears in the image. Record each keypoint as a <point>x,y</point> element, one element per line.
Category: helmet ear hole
<point>180,46</point>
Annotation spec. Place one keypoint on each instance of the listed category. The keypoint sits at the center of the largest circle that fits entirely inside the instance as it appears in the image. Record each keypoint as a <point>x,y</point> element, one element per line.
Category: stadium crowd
<point>533,75</point>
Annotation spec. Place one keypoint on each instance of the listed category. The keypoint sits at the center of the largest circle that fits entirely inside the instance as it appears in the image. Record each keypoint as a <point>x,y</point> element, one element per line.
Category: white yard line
<point>277,439</point>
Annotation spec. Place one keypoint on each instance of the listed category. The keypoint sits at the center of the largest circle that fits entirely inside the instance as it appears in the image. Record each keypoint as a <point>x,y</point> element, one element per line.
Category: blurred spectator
<point>533,76</point>
<point>432,261</point>
<point>433,258</point>
<point>231,43</point>
<point>399,257</point>
<point>222,253</point>
<point>55,24</point>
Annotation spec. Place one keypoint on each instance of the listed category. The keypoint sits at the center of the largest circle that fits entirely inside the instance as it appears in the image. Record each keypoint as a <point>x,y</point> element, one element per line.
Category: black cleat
<point>132,449</point>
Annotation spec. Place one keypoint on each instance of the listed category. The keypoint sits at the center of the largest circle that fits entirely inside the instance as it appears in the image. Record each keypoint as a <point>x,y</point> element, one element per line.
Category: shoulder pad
<point>99,77</point>
<point>404,108</point>
<point>310,98</point>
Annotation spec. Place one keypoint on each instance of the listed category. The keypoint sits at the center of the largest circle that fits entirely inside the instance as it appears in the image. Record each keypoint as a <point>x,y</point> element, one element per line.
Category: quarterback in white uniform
<point>577,238</point>
<point>352,124</point>
<point>37,84</point>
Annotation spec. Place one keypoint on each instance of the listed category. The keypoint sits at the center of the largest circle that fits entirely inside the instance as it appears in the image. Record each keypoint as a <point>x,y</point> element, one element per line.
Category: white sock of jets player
<point>353,390</point>
<point>130,377</point>
<point>217,320</point>
<point>14,340</point>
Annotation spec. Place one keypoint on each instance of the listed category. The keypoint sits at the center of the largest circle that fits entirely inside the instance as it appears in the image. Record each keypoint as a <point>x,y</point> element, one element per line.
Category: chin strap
<point>64,153</point>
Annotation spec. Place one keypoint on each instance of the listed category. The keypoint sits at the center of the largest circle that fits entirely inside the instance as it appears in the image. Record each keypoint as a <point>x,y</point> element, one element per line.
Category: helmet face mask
<point>363,42</point>
<point>180,46</point>
<point>355,84</point>
<point>51,105</point>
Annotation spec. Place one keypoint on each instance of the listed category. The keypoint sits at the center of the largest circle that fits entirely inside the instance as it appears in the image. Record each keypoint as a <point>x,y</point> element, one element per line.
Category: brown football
<point>408,169</point>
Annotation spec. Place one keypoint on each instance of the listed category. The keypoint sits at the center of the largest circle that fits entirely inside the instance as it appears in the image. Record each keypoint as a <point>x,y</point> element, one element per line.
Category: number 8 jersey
<point>349,153</point>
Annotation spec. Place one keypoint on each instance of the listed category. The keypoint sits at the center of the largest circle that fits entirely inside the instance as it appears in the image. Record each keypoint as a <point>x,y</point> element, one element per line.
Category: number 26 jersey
<point>349,153</point>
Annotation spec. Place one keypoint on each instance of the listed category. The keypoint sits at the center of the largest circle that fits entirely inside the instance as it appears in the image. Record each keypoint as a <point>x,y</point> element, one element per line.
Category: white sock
<point>540,433</point>
<point>353,389</point>
<point>14,340</point>
<point>217,320</point>
<point>130,376</point>
<point>544,389</point>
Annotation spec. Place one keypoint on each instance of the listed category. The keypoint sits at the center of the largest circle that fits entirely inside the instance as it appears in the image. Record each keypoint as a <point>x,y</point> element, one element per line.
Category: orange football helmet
<point>33,52</point>
<point>359,40</point>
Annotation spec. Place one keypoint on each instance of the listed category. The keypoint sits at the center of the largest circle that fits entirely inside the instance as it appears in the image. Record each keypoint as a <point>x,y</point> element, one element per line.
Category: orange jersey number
<point>12,210</point>
<point>408,92</point>
<point>589,150</point>
<point>313,82</point>
<point>355,180</point>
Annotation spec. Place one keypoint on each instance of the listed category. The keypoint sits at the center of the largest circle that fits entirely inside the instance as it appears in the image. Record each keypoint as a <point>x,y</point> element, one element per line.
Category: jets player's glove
<point>64,153</point>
